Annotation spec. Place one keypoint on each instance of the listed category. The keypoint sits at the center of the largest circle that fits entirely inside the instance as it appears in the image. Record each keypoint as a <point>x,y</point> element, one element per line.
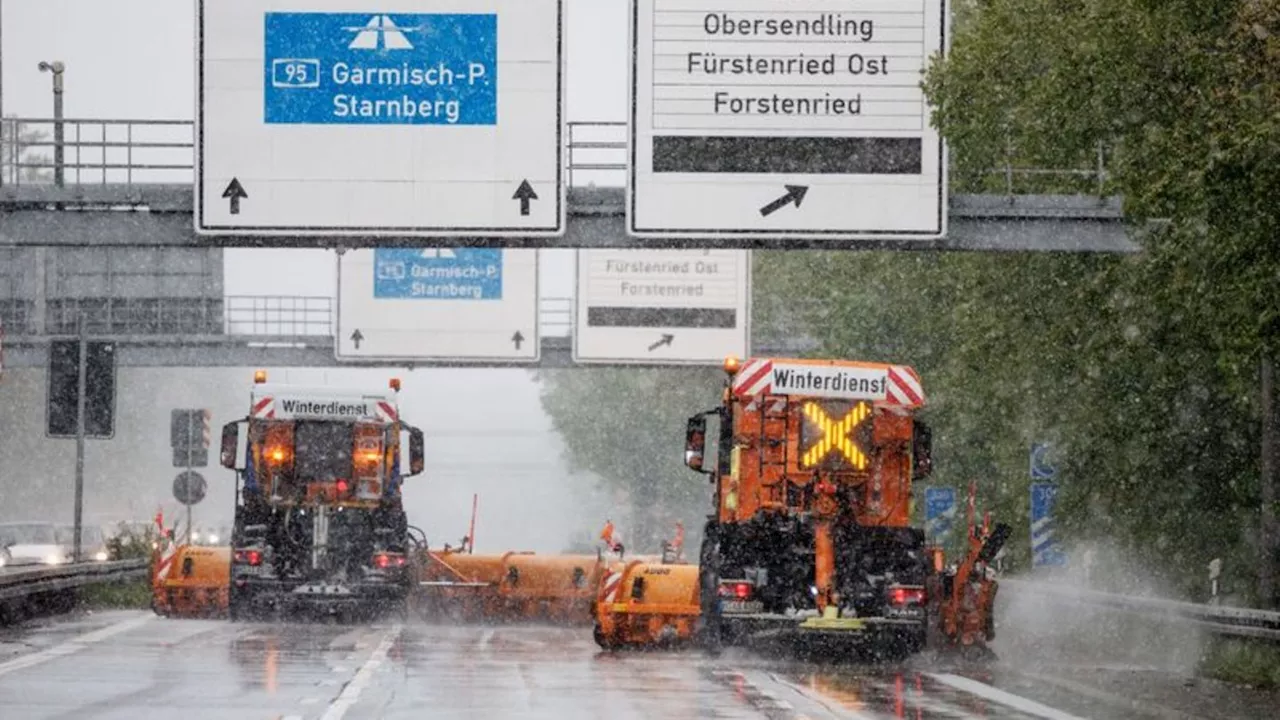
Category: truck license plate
<point>321,590</point>
<point>741,606</point>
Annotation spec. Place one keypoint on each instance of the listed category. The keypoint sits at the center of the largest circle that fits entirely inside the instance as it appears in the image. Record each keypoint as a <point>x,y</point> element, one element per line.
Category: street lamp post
<point>57,68</point>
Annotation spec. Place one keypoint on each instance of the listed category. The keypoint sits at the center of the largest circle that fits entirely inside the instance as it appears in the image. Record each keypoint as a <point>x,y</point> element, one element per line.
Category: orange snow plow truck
<point>811,537</point>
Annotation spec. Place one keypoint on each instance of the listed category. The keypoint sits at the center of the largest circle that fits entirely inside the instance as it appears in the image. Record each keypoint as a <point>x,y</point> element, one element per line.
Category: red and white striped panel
<point>754,378</point>
<point>265,408</point>
<point>777,404</point>
<point>206,432</point>
<point>903,387</point>
<point>166,560</point>
<point>387,411</point>
<point>611,584</point>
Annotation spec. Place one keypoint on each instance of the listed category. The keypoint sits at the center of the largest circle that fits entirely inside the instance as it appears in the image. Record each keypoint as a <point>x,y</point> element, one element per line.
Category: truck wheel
<point>709,633</point>
<point>238,607</point>
<point>605,642</point>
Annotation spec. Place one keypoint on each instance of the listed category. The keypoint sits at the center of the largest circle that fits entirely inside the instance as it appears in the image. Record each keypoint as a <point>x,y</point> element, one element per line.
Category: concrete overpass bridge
<point>113,242</point>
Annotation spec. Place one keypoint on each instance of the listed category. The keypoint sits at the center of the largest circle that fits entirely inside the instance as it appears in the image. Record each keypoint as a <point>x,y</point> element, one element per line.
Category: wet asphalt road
<point>132,666</point>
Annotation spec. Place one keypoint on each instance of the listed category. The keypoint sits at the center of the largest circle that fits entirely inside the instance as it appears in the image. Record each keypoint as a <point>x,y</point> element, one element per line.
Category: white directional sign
<point>464,304</point>
<point>784,119</point>
<point>662,306</point>
<point>423,118</point>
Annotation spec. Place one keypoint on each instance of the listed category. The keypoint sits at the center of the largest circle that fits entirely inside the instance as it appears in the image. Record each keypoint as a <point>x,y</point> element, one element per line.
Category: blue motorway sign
<point>445,274</point>
<point>1046,551</point>
<point>390,69</point>
<point>940,512</point>
<point>1041,465</point>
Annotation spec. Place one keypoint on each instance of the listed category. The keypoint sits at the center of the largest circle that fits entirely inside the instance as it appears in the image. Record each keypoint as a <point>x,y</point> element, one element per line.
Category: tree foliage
<point>1142,369</point>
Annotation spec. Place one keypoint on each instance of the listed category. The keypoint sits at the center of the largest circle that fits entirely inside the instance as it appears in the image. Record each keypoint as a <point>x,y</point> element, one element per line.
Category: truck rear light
<point>382,561</point>
<point>899,595</point>
<point>248,557</point>
<point>736,589</point>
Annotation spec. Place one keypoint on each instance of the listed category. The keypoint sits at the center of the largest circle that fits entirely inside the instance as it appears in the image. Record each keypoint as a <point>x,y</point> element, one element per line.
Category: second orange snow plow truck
<point>811,535</point>
<point>319,521</point>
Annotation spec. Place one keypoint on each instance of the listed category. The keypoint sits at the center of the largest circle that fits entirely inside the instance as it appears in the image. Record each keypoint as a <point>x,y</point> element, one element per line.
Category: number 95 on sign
<point>295,73</point>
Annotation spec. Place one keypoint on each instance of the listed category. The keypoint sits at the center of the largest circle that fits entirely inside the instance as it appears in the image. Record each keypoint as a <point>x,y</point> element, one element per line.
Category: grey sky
<point>135,59</point>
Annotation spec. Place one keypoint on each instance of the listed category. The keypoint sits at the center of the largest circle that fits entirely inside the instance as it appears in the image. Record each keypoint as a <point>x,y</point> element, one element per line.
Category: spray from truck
<point>319,518</point>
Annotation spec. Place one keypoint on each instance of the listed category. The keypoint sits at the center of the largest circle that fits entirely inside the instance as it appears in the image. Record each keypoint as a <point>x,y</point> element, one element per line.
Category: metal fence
<point>143,152</point>
<point>23,582</point>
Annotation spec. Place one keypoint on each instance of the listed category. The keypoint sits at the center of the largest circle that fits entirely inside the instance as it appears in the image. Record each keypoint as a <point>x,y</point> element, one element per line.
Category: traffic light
<point>64,387</point>
<point>189,437</point>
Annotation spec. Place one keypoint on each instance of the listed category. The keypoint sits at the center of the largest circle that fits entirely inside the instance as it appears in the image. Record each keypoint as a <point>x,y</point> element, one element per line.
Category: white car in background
<point>93,544</point>
<point>33,543</point>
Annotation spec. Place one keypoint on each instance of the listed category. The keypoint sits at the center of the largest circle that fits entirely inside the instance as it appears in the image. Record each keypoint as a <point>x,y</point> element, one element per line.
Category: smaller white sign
<point>462,305</point>
<point>663,307</point>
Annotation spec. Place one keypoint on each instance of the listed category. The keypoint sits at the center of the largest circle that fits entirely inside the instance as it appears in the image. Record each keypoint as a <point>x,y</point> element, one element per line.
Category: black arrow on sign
<point>517,339</point>
<point>524,194</point>
<point>794,193</point>
<point>235,192</point>
<point>356,337</point>
<point>666,340</point>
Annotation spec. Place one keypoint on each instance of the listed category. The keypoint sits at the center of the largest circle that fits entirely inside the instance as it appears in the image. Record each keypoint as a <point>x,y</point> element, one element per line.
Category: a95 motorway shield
<point>464,305</point>
<point>769,121</point>
<point>662,307</point>
<point>358,118</point>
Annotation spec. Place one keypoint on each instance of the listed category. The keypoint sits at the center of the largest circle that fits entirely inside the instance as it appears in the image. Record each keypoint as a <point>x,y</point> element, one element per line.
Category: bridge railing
<point>315,316</point>
<point>139,152</point>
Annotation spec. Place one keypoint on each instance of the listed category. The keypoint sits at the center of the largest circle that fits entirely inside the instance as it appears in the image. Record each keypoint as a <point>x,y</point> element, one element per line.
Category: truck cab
<point>319,518</point>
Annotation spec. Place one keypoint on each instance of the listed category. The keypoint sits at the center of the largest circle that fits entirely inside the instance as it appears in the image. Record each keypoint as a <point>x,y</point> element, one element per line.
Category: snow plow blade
<point>193,583</point>
<point>643,604</point>
<point>512,587</point>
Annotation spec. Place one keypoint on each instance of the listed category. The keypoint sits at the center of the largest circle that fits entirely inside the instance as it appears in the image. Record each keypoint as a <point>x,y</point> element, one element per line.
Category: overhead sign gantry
<point>432,118</point>
<point>775,120</point>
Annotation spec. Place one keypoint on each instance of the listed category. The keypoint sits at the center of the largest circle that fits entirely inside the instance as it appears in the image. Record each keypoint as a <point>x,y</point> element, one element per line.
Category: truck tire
<point>710,632</point>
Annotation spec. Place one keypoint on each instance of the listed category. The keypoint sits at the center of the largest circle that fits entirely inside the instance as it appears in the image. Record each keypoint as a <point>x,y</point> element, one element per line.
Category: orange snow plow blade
<point>194,583</point>
<point>646,604</point>
<point>514,586</point>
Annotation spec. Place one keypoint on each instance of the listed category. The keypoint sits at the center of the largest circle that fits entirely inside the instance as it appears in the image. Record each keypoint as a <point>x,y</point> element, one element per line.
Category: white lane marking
<point>485,639</point>
<point>351,693</point>
<point>1021,704</point>
<point>73,645</point>
<point>309,701</point>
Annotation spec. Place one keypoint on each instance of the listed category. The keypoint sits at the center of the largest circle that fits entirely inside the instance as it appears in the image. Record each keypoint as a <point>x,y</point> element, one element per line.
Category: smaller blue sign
<point>445,274</point>
<point>380,69</point>
<point>1046,551</point>
<point>940,512</point>
<point>1041,468</point>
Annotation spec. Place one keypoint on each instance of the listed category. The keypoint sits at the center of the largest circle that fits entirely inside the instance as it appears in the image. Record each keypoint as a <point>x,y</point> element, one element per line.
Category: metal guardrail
<point>21,582</point>
<point>1216,619</point>
<point>233,315</point>
<point>141,152</point>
